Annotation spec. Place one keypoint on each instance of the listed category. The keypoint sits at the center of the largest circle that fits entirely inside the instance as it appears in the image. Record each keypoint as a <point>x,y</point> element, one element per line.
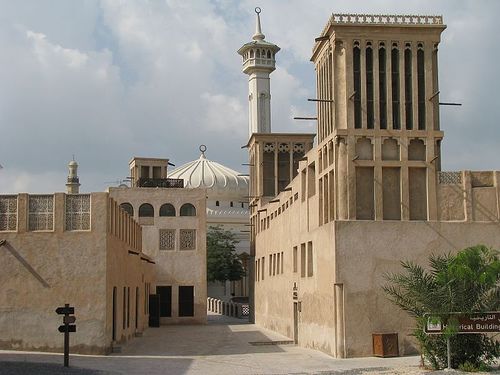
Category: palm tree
<point>468,282</point>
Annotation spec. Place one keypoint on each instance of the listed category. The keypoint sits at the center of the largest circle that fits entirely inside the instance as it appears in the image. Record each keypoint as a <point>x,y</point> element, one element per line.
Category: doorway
<point>114,313</point>
<point>296,323</point>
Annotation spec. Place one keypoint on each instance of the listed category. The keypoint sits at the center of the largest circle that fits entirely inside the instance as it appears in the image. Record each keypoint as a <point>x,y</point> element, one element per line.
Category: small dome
<point>73,163</point>
<point>220,181</point>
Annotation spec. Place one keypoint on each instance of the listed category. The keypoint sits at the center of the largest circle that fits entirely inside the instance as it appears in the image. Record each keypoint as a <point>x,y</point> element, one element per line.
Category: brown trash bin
<point>385,345</point>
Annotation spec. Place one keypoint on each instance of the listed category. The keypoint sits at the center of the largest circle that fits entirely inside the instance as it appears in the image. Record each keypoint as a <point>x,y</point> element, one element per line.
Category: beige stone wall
<point>173,267</point>
<point>42,270</point>
<point>367,250</point>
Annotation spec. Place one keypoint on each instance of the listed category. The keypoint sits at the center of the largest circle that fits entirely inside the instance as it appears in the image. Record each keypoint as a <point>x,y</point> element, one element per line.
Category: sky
<point>108,80</point>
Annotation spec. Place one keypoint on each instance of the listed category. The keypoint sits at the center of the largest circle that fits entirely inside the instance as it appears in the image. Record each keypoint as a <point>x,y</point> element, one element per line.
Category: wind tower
<point>73,182</point>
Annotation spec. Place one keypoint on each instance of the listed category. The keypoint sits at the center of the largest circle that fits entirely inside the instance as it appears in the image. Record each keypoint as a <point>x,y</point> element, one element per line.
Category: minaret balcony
<point>262,63</point>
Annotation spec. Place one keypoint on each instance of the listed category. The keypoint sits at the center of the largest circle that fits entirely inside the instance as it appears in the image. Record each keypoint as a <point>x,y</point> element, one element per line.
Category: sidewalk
<point>220,347</point>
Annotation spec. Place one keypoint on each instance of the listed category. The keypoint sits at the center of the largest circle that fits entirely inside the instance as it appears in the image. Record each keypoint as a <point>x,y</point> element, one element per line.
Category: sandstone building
<point>104,254</point>
<point>227,207</point>
<point>329,219</point>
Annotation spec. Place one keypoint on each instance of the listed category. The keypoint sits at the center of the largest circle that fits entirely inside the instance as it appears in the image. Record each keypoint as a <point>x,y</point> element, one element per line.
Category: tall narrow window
<point>396,119</point>
<point>408,88</point>
<point>382,87</point>
<point>369,88</point>
<point>421,87</point>
<point>357,85</point>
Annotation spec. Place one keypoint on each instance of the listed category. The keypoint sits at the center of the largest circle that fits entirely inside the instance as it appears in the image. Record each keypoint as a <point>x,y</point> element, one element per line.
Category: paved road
<point>221,347</point>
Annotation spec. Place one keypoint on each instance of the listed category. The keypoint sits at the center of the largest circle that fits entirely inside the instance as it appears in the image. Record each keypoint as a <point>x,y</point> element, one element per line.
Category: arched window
<point>188,209</point>
<point>357,85</point>
<point>382,87</point>
<point>167,210</point>
<point>257,55</point>
<point>369,88</point>
<point>146,210</point>
<point>230,204</point>
<point>408,87</point>
<point>217,203</point>
<point>268,54</point>
<point>251,53</point>
<point>396,124</point>
<point>421,86</point>
<point>127,207</point>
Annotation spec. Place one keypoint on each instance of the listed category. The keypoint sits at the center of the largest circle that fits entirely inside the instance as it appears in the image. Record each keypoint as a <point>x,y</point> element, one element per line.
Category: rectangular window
<point>270,264</point>
<point>295,251</point>
<point>186,301</point>
<point>187,239</point>
<point>124,308</point>
<point>263,267</point>
<point>257,269</point>
<point>310,263</point>
<point>311,180</point>
<point>8,213</point>
<point>128,307</point>
<point>278,263</point>
<point>78,212</point>
<point>165,293</point>
<point>274,264</point>
<point>41,212</point>
<point>167,239</point>
<point>303,260</point>
<point>282,262</point>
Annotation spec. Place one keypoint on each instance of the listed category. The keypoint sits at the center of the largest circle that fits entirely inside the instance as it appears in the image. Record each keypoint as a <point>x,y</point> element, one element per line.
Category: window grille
<point>187,239</point>
<point>78,212</point>
<point>450,178</point>
<point>167,239</point>
<point>41,212</point>
<point>8,213</point>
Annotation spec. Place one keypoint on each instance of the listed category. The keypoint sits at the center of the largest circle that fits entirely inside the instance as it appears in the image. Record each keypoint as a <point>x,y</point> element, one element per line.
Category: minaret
<point>258,62</point>
<point>73,182</point>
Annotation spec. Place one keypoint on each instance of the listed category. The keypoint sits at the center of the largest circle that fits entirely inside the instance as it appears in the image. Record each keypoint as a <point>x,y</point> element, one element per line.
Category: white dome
<point>220,181</point>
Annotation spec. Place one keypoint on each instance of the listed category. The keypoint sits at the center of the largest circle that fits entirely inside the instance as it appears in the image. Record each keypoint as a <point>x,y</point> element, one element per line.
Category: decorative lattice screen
<point>167,239</point>
<point>41,212</point>
<point>450,178</point>
<point>8,213</point>
<point>187,239</point>
<point>78,212</point>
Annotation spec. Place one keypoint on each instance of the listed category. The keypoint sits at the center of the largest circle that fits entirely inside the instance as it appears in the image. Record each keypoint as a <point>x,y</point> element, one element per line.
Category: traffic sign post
<point>66,328</point>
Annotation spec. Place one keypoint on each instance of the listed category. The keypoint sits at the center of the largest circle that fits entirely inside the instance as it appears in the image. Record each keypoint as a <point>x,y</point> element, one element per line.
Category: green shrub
<point>466,282</point>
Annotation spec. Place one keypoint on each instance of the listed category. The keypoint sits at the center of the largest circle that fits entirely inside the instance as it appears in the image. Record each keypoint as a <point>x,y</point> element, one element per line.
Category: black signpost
<point>66,328</point>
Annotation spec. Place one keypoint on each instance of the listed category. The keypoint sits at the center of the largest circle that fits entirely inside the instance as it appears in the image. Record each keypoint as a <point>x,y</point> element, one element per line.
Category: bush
<point>466,282</point>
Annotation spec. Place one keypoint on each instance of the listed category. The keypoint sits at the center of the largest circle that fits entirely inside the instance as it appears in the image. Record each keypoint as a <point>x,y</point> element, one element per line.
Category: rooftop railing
<point>160,182</point>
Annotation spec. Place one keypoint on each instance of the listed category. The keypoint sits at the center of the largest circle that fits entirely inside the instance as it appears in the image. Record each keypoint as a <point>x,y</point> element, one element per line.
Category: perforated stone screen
<point>78,212</point>
<point>167,239</point>
<point>41,212</point>
<point>187,239</point>
<point>8,213</point>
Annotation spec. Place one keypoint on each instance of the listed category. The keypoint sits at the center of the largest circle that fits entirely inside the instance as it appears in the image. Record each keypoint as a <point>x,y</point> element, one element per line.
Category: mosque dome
<point>219,180</point>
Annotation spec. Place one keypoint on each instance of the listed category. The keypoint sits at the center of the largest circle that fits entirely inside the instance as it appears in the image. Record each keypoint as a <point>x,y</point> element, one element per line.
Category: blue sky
<point>108,80</point>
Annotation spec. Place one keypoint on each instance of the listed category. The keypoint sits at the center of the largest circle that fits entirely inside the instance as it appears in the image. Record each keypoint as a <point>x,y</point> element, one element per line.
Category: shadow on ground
<point>43,368</point>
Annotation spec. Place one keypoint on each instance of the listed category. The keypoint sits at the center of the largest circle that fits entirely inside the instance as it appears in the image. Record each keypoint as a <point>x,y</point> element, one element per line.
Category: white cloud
<point>107,80</point>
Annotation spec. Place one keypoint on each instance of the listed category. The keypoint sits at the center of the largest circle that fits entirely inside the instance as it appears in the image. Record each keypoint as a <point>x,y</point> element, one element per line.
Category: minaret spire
<point>258,30</point>
<point>258,63</point>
